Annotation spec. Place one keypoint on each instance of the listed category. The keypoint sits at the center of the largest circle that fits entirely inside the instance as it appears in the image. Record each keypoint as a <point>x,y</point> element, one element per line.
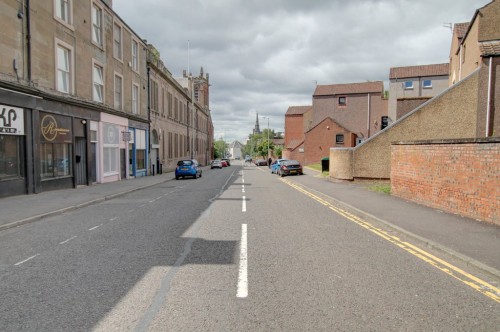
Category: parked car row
<point>281,167</point>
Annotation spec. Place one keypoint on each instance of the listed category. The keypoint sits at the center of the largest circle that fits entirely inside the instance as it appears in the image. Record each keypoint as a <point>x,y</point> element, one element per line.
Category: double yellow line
<point>457,273</point>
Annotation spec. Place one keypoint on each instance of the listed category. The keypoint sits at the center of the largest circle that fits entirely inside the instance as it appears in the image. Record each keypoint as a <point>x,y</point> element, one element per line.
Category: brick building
<point>411,86</point>
<point>358,107</point>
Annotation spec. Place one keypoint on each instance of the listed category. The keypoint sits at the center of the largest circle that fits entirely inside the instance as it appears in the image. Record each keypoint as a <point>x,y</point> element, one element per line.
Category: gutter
<point>28,38</point>
<point>488,102</point>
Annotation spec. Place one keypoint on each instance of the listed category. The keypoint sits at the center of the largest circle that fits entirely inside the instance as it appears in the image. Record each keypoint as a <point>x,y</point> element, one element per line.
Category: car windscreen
<point>291,162</point>
<point>185,163</point>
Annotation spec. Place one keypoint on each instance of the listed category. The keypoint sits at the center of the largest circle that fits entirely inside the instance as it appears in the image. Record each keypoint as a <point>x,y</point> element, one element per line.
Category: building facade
<point>75,100</point>
<point>411,86</point>
<point>358,107</point>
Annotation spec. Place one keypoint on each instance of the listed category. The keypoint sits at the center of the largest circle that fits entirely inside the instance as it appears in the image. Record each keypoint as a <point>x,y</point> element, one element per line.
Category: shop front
<point>12,151</point>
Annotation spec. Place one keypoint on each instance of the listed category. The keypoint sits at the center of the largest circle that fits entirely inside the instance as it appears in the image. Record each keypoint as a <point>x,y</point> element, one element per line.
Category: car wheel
<point>200,174</point>
<point>281,174</point>
<point>177,178</point>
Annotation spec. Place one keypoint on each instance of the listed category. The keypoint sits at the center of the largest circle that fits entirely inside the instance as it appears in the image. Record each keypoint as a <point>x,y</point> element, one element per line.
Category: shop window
<point>55,160</point>
<point>10,165</point>
<point>140,146</point>
<point>111,140</point>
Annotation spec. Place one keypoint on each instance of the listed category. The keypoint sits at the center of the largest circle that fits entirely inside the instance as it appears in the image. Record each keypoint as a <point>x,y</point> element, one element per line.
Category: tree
<point>220,148</point>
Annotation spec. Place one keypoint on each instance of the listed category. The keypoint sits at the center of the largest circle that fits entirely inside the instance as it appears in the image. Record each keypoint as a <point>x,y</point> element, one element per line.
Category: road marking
<point>27,259</point>
<point>113,219</point>
<point>242,291</point>
<point>455,272</point>
<point>242,188</point>
<point>66,241</point>
<point>244,204</point>
<point>91,229</point>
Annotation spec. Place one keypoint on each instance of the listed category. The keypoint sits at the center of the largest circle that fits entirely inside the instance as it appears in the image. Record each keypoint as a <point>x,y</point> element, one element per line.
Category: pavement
<point>472,242</point>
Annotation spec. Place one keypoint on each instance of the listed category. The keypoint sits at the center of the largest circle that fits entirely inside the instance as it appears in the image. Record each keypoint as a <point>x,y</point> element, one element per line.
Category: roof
<point>460,29</point>
<point>293,144</point>
<point>490,48</point>
<point>441,69</point>
<point>297,110</point>
<point>236,145</point>
<point>279,141</point>
<point>349,88</point>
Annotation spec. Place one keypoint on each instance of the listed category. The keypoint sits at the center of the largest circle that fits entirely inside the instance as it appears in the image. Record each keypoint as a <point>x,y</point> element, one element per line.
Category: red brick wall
<point>321,138</point>
<point>294,128</point>
<point>458,176</point>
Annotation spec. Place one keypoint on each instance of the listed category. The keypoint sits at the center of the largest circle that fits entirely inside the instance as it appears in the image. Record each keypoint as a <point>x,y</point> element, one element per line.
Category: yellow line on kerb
<point>457,273</point>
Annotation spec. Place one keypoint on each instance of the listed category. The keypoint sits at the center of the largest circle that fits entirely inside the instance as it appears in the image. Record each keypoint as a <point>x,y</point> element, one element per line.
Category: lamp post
<point>268,154</point>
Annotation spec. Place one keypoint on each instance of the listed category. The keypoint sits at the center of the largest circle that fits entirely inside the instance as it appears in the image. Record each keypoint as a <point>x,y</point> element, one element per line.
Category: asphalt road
<point>236,250</point>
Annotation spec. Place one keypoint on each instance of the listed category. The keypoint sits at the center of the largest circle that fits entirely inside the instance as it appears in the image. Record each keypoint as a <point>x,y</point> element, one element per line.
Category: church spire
<point>256,130</point>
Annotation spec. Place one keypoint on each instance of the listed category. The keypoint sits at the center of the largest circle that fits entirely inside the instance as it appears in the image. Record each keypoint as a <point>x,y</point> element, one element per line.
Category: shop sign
<point>55,129</point>
<point>11,120</point>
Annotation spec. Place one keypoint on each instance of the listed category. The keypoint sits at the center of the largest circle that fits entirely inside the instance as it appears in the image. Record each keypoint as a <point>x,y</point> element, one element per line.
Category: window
<point>339,139</point>
<point>140,146</point>
<point>97,25</point>
<point>10,151</point>
<point>135,98</point>
<point>408,85</point>
<point>98,79</point>
<point>135,55</point>
<point>118,92</point>
<point>64,68</point>
<point>55,160</point>
<point>154,96</point>
<point>63,11</point>
<point>117,41</point>
<point>427,84</point>
<point>342,101</point>
<point>111,140</point>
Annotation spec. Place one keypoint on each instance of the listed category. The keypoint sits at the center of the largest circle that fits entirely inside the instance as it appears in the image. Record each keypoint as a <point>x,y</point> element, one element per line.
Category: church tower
<point>256,130</point>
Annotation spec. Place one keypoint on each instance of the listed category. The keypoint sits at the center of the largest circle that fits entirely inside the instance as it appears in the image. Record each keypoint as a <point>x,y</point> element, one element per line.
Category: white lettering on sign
<point>11,120</point>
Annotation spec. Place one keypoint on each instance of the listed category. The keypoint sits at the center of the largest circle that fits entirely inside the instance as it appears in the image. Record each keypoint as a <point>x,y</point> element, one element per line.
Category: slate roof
<point>297,110</point>
<point>349,88</point>
<point>441,69</point>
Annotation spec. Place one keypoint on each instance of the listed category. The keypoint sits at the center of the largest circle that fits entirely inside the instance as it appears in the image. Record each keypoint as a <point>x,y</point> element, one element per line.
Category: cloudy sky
<point>266,55</point>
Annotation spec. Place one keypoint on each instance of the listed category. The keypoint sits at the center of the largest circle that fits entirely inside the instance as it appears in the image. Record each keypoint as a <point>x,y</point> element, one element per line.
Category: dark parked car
<point>289,167</point>
<point>261,162</point>
<point>188,167</point>
<point>276,165</point>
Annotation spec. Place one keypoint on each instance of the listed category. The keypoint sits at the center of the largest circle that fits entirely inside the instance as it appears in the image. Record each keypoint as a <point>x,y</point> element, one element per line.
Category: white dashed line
<point>113,219</point>
<point>27,259</point>
<point>66,241</point>
<point>91,229</point>
<point>244,204</point>
<point>242,291</point>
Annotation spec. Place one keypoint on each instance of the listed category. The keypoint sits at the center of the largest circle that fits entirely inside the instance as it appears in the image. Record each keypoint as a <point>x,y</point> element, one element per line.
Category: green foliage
<point>278,151</point>
<point>220,148</point>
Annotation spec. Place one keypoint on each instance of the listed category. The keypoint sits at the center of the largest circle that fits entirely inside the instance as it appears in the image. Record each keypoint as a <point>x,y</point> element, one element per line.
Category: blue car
<point>276,165</point>
<point>188,167</point>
